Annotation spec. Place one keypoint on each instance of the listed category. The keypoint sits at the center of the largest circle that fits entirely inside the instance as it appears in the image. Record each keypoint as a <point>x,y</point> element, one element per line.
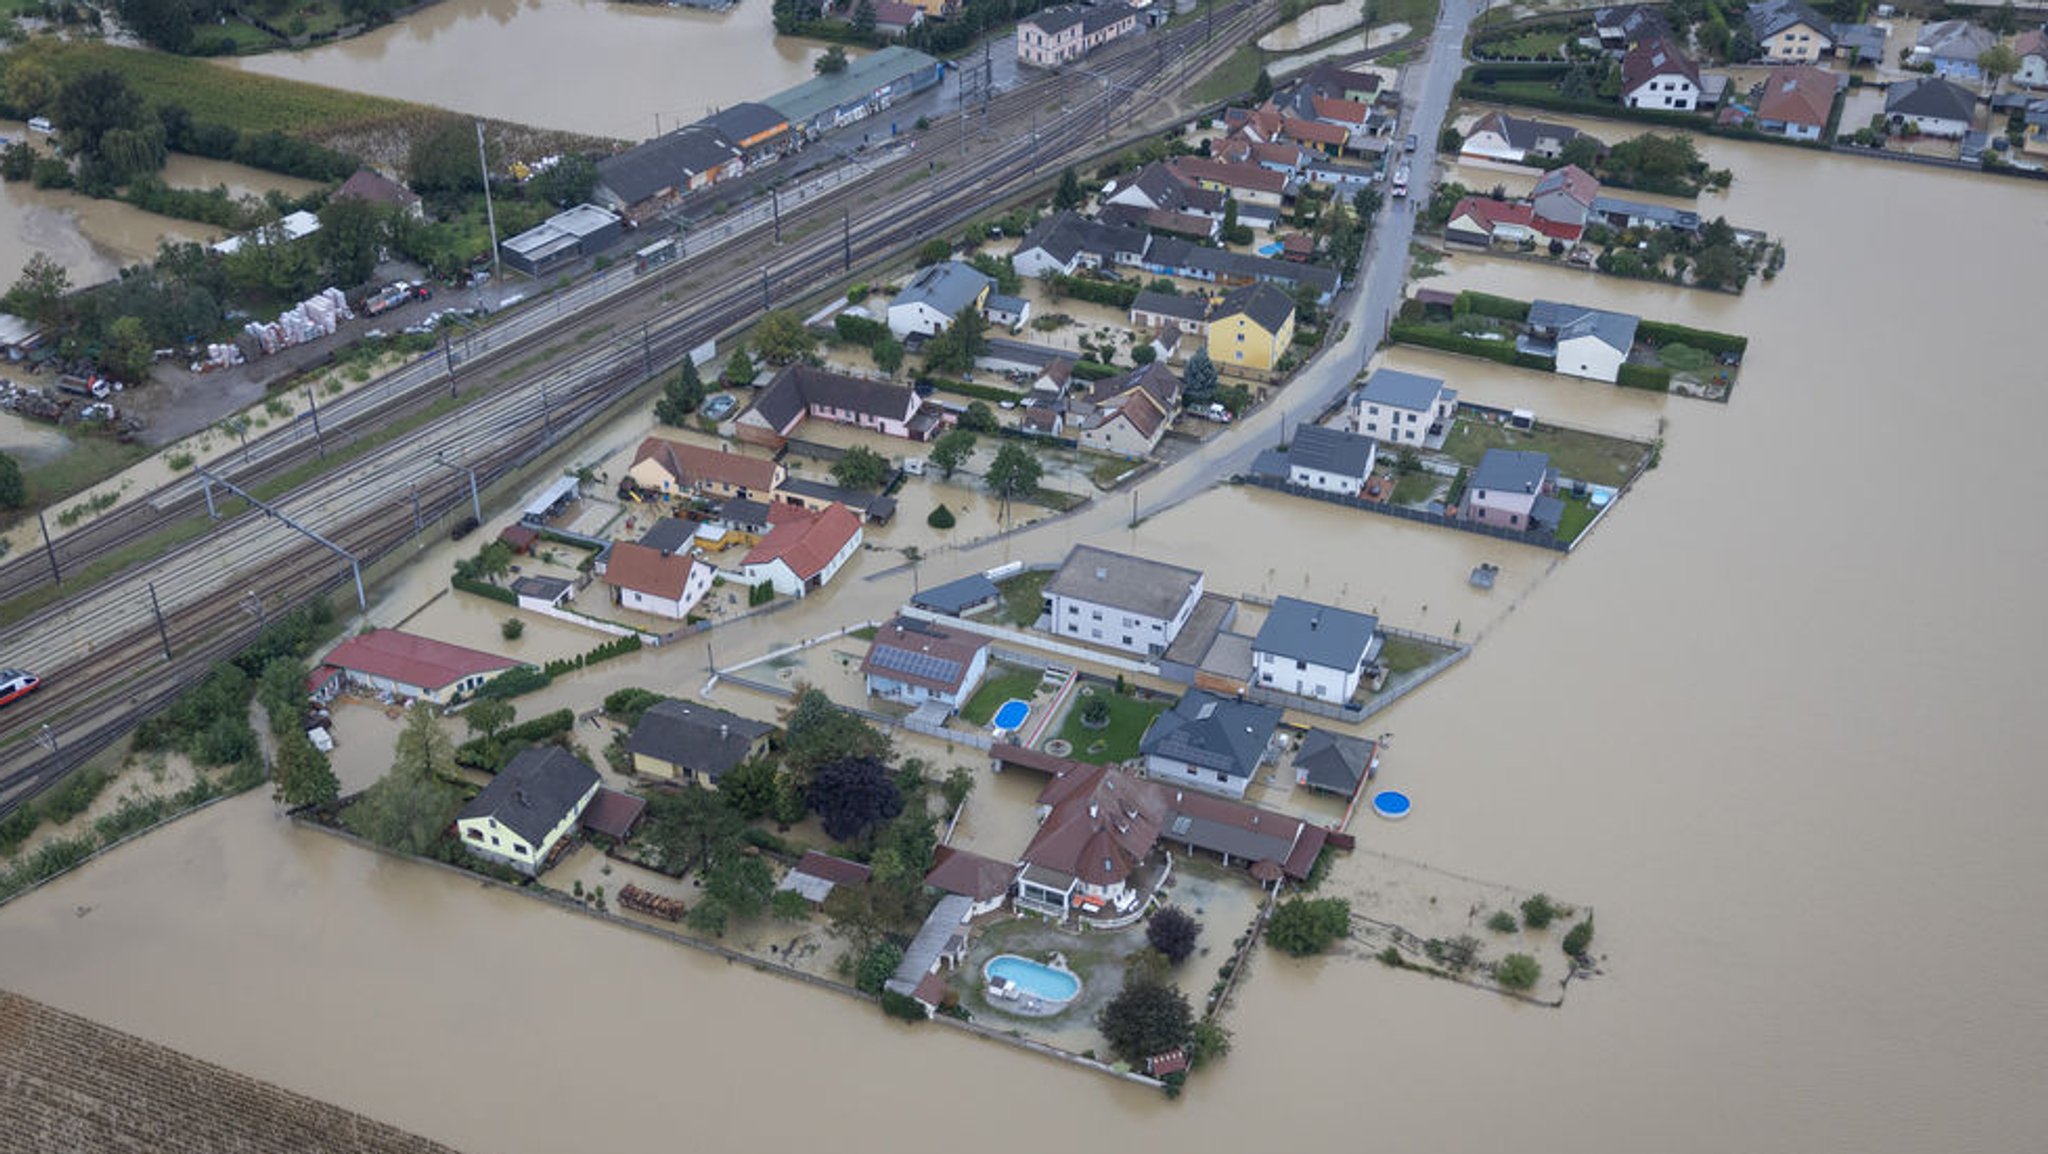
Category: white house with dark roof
<point>1316,651</point>
<point>1068,32</point>
<point>1498,136</point>
<point>1656,73</point>
<point>1951,47</point>
<point>800,392</point>
<point>2032,49</point>
<point>528,808</point>
<point>1155,310</point>
<point>1330,460</point>
<point>1505,491</point>
<point>1585,342</point>
<point>1404,409</point>
<point>914,662</point>
<point>1210,743</point>
<point>1119,601</point>
<point>1066,242</point>
<point>936,295</point>
<point>1932,106</point>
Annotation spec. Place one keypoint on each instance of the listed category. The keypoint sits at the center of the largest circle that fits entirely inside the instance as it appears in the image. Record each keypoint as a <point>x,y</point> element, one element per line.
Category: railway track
<point>111,667</point>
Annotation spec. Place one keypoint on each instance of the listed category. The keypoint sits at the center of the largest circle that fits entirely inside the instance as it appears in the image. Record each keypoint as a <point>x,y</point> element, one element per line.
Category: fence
<point>1416,515</point>
<point>1044,644</point>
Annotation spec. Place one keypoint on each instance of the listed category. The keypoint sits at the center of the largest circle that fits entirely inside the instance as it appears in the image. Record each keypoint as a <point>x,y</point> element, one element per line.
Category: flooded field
<point>1783,742</point>
<point>631,63</point>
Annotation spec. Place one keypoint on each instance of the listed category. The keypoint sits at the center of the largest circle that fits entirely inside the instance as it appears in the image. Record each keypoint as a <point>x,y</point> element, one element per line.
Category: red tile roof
<point>803,540</point>
<point>1039,760</point>
<point>1174,1061</point>
<point>1314,131</point>
<point>413,660</point>
<point>1798,94</point>
<point>1492,213</point>
<point>957,871</point>
<point>699,464</point>
<point>613,814</point>
<point>1340,110</point>
<point>931,990</point>
<point>836,870</point>
<point>520,537</point>
<point>1251,176</point>
<point>644,569</point>
<point>1102,823</point>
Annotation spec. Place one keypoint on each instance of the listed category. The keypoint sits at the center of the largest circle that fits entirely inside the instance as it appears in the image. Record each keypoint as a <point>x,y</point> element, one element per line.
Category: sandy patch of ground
<point>136,775</point>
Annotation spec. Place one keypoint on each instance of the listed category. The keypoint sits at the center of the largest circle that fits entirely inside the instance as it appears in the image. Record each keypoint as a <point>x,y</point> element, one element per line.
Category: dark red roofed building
<point>386,661</point>
<point>983,879</point>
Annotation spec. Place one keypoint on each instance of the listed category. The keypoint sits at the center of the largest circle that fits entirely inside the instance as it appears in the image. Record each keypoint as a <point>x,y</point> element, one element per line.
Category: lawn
<point>1578,513</point>
<point>1128,720</point>
<point>1234,77</point>
<point>1684,358</point>
<point>215,94</point>
<point>1587,457</point>
<point>1109,470</point>
<point>1404,656</point>
<point>1418,15</point>
<point>1416,488</point>
<point>1529,44</point>
<point>998,688</point>
<point>1024,597</point>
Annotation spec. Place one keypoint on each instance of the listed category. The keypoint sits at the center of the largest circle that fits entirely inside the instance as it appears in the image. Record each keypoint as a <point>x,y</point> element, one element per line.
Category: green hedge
<point>513,682</point>
<point>862,331</point>
<point>1713,342</point>
<point>1476,86</point>
<point>979,392</point>
<point>491,753</point>
<point>1095,370</point>
<point>1488,305</point>
<point>485,589</point>
<point>1112,293</point>
<point>1503,352</point>
<point>1655,378</point>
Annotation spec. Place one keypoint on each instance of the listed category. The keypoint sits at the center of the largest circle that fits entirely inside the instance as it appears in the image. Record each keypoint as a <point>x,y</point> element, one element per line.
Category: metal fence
<point>1417,515</point>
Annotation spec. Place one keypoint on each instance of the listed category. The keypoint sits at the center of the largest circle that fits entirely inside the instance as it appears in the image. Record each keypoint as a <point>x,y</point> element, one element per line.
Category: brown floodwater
<point>1775,720</point>
<point>513,60</point>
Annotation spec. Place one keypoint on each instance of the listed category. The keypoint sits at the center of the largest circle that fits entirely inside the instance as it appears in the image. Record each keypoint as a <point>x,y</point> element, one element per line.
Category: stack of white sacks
<point>310,319</point>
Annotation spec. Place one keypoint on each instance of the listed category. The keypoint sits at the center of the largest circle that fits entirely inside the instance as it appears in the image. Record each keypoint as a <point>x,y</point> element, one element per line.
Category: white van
<point>41,124</point>
<point>914,466</point>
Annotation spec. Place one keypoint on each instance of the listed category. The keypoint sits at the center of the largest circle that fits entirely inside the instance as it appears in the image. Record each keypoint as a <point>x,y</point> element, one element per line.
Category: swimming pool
<point>1056,987</point>
<point>1273,249</point>
<point>1391,804</point>
<point>1012,713</point>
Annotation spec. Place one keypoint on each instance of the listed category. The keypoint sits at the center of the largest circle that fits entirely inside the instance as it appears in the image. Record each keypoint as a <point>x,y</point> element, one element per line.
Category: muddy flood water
<point>1775,721</point>
<point>509,59</point>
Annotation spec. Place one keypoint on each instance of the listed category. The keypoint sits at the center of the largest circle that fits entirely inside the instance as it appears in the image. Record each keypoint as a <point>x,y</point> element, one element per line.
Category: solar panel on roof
<point>917,664</point>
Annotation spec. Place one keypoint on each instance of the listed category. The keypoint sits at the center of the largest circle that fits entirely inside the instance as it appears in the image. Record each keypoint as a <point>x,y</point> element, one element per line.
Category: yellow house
<point>526,811</point>
<point>685,741</point>
<point>1789,32</point>
<point>1251,328</point>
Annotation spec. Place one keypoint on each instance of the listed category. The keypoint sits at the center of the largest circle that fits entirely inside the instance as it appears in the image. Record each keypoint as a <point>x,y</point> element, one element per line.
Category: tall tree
<point>489,715</point>
<point>691,827</point>
<point>92,104</point>
<point>1262,88</point>
<point>951,451</point>
<point>412,804</point>
<point>681,395</point>
<point>1996,63</point>
<point>39,291</point>
<point>864,19</point>
<point>127,351</point>
<point>31,86</point>
<point>817,731</point>
<point>568,181</point>
<point>853,795</point>
<point>739,369</point>
<point>352,230</point>
<point>1173,933</point>
<point>860,468</point>
<point>1069,195</point>
<point>832,62</point>
<point>1146,1019</point>
<point>1198,383</point>
<point>750,788</point>
<point>780,337</point>
<point>1015,472</point>
<point>443,161</point>
<point>303,775</point>
<point>13,489</point>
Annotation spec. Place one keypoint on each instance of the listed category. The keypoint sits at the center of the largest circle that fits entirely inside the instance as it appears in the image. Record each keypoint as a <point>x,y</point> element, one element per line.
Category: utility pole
<point>208,481</point>
<point>646,350</point>
<point>491,214</point>
<point>846,236</point>
<point>764,288</point>
<point>415,488</point>
<point>56,574</point>
<point>319,442</point>
<point>775,206</point>
<point>448,353</point>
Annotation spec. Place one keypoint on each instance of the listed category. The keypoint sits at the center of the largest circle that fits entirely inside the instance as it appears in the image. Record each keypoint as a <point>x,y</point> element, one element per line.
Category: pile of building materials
<point>219,357</point>
<point>309,320</point>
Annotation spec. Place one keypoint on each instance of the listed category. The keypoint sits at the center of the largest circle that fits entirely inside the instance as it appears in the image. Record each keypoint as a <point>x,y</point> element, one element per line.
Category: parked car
<point>1412,143</point>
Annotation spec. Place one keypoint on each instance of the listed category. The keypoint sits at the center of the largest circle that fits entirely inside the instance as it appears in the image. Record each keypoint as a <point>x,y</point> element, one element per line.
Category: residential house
<point>1344,176</point>
<point>1127,424</point>
<point>940,942</point>
<point>1657,74</point>
<point>1930,106</point>
<point>983,880</point>
<point>1155,310</point>
<point>1350,115</point>
<point>1248,184</point>
<point>1067,32</point>
<point>1066,242</point>
<point>686,741</point>
<point>671,467</point>
<point>1407,410</point>
<point>524,812</point>
<point>1952,47</point>
<point>1170,256</point>
<point>1589,343</point>
<point>656,581</point>
<point>1330,460</point>
<point>1006,311</point>
<point>915,662</point>
<point>1789,32</point>
<point>642,180</point>
<point>406,665</point>
<point>1146,221</point>
<point>1158,186</point>
<point>1284,157</point>
<point>542,593</point>
<point>2035,140</point>
<point>1326,137</point>
<point>1166,344</point>
<point>375,188</point>
<point>1333,762</point>
<point>937,9</point>
<point>1565,196</point>
<point>1622,213</point>
<point>818,496</point>
<point>1252,328</point>
<point>803,550</point>
<point>1513,140</point>
<point>1055,378</point>
<point>1509,490</point>
<point>1209,743</point>
<point>1797,101</point>
<point>1317,651</point>
<point>1860,44</point>
<point>894,19</point>
<point>1620,27</point>
<point>799,392</point>
<point>936,295</point>
<point>1483,221</point>
<point>1097,825</point>
<point>1339,83</point>
<point>2032,49</point>
<point>1119,601</point>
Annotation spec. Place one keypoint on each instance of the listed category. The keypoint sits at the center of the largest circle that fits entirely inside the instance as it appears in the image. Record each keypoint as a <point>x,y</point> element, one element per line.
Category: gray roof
<point>747,118</point>
<point>1331,451</point>
<point>1318,634</point>
<point>1169,252</point>
<point>1931,97</point>
<point>799,386</point>
<point>740,511</point>
<point>1053,21</point>
<point>924,950</point>
<point>1547,512</point>
<point>861,78</point>
<point>1213,732</point>
<point>948,286</point>
<point>1525,134</point>
<point>701,738</point>
<point>1661,215</point>
<point>1267,306</point>
<point>1615,330</point>
<point>540,588</point>
<point>670,534</point>
<point>1133,584</point>
<point>1953,40</point>
<point>1770,17</point>
<point>1064,234</point>
<point>1866,39</point>
<point>1271,842</point>
<point>1270,463</point>
<point>1188,308</point>
<point>534,793</point>
<point>1401,390</point>
<point>664,163</point>
<point>1510,471</point>
<point>1014,306</point>
<point>954,597</point>
<point>873,506</point>
<point>1333,761</point>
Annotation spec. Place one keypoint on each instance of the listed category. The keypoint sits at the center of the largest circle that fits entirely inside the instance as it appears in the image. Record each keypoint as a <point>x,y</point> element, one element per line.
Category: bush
<point>761,594</point>
<point>1306,926</point>
<point>1653,378</point>
<point>940,518</point>
<point>512,629</point>
<point>513,682</point>
<point>876,966</point>
<point>902,1006</point>
<point>1518,971</point>
<point>861,331</point>
<point>1502,351</point>
<point>1502,922</point>
<point>484,589</point>
<point>1538,912</point>
<point>630,703</point>
<point>1579,938</point>
<point>1488,305</point>
<point>1111,293</point>
<point>1659,333</point>
<point>1173,933</point>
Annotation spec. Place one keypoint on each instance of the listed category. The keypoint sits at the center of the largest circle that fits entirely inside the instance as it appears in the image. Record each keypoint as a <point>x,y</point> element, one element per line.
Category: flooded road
<point>578,65</point>
<point>1774,720</point>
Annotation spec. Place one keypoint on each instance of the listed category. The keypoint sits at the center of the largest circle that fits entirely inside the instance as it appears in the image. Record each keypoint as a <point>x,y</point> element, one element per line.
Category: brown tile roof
<point>413,660</point>
<point>1655,56</point>
<point>613,814</point>
<point>1315,131</point>
<point>375,187</point>
<point>1278,153</point>
<point>1251,176</point>
<point>699,464</point>
<point>836,870</point>
<point>1798,94</point>
<point>635,566</point>
<point>805,541</point>
<point>1103,822</point>
<point>958,871</point>
<point>923,654</point>
<point>1039,760</point>
<point>1339,109</point>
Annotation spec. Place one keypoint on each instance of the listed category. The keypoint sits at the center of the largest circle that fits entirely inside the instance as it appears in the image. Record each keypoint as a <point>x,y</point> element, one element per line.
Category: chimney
<point>724,731</point>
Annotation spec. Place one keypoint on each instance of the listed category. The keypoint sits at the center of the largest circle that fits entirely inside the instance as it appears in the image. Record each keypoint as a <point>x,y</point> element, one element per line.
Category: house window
<point>494,840</point>
<point>1300,665</point>
<point>1096,634</point>
<point>1127,639</point>
<point>475,834</point>
<point>1222,776</point>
